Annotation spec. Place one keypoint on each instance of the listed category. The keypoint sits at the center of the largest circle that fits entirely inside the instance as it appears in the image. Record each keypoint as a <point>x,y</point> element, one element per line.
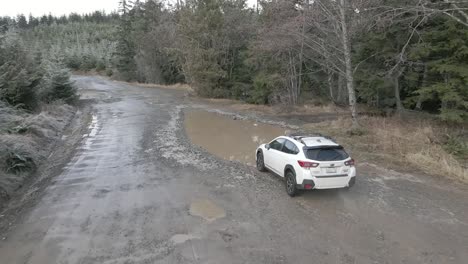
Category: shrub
<point>73,62</point>
<point>58,86</point>
<point>456,146</point>
<point>109,72</point>
<point>100,66</point>
<point>19,162</point>
<point>88,63</point>
<point>263,86</point>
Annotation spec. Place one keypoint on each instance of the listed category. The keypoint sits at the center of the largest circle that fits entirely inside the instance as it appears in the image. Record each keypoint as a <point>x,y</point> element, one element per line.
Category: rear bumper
<point>306,177</point>
<point>341,181</point>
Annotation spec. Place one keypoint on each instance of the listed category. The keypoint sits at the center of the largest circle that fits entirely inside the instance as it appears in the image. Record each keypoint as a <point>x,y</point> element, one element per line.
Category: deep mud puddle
<point>227,137</point>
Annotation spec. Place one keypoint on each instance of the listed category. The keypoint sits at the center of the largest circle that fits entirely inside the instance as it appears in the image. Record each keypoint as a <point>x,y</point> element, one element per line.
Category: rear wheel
<point>290,180</point>
<point>351,183</point>
<point>260,162</point>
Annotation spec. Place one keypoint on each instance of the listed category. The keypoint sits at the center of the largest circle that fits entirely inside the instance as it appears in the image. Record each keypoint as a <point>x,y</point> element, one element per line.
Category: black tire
<point>290,182</point>
<point>352,182</point>
<point>260,162</point>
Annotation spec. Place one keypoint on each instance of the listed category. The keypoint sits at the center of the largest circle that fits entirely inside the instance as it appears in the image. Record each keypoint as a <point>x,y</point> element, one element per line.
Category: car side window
<point>277,144</point>
<point>290,148</point>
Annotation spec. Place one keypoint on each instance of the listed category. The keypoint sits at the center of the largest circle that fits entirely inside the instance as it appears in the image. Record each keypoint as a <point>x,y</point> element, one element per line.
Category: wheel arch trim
<point>289,167</point>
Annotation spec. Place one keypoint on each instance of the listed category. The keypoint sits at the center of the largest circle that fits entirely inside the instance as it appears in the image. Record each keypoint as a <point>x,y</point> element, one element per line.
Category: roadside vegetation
<point>35,97</point>
<point>398,67</point>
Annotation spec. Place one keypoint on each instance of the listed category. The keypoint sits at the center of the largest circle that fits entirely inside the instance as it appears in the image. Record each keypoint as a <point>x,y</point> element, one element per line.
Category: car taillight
<point>349,162</point>
<point>307,164</point>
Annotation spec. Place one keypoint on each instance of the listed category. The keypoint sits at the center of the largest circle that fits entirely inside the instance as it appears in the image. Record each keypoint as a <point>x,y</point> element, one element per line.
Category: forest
<point>390,55</point>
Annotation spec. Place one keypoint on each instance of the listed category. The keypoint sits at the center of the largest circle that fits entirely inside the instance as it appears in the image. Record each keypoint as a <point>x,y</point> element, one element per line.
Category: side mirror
<point>267,146</point>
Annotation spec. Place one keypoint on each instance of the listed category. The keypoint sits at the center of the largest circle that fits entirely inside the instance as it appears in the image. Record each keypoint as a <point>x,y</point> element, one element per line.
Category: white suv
<point>307,162</point>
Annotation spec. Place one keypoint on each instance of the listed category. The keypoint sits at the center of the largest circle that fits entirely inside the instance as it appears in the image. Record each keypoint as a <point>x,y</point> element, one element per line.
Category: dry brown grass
<point>398,142</point>
<point>308,108</point>
<point>177,86</point>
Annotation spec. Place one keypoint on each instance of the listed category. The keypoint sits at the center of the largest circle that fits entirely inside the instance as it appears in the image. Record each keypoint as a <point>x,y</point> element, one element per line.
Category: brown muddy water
<point>228,138</point>
<point>207,210</point>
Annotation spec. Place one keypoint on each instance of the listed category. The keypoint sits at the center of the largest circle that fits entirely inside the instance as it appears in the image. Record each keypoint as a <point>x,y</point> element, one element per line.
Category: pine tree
<point>61,87</point>
<point>22,22</point>
<point>201,29</point>
<point>33,21</point>
<point>445,52</point>
<point>19,77</point>
<point>125,48</point>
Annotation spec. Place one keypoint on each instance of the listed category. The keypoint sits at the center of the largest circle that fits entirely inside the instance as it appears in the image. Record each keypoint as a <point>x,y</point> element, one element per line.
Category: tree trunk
<point>348,65</point>
<point>341,96</point>
<point>399,105</point>
<point>292,80</point>
<point>424,83</point>
<point>330,85</point>
<point>301,58</point>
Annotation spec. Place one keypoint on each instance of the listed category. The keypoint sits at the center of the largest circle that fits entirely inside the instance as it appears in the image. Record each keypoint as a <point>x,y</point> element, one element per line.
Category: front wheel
<point>260,162</point>
<point>291,187</point>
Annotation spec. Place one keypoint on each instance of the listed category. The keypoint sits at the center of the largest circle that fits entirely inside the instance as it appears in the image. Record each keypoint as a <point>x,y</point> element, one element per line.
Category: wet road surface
<point>137,191</point>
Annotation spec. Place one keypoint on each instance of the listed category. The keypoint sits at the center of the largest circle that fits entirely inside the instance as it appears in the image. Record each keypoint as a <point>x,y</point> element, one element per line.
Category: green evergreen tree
<point>60,86</point>
<point>33,21</point>
<point>22,22</point>
<point>19,77</point>
<point>201,27</point>
<point>445,50</point>
<point>125,48</point>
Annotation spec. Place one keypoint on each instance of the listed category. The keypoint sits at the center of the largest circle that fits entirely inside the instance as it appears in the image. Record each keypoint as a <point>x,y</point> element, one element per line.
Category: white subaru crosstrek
<point>307,162</point>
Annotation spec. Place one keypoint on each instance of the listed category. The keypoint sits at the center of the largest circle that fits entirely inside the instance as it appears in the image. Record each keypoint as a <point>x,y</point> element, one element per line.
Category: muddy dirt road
<point>137,191</point>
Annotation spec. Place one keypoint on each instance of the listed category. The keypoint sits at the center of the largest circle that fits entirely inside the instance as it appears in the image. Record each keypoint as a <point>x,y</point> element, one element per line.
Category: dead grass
<point>308,108</point>
<point>177,86</point>
<point>87,73</point>
<point>397,142</point>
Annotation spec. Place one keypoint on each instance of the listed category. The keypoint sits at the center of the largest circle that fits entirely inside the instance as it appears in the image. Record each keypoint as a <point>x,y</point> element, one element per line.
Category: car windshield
<point>327,154</point>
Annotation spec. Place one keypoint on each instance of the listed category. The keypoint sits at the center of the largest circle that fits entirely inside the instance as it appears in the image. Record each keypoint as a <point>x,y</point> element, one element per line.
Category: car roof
<point>315,140</point>
<point>318,141</point>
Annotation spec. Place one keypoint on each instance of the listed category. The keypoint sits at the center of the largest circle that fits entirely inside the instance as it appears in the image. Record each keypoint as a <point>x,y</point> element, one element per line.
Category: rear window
<point>327,154</point>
